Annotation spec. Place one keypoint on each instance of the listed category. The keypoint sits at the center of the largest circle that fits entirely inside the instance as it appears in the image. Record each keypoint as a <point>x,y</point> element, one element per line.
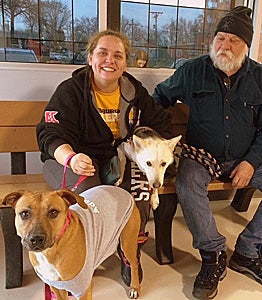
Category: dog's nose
<point>156,185</point>
<point>37,241</point>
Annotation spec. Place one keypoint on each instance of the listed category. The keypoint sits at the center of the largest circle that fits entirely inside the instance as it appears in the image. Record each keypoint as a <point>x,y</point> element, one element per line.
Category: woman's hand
<point>81,164</point>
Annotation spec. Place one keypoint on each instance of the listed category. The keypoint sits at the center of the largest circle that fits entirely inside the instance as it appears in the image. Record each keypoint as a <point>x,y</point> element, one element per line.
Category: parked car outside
<point>18,55</point>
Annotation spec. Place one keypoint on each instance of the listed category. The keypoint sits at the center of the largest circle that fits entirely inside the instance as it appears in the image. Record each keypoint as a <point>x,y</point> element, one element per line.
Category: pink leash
<point>48,294</point>
<point>81,178</point>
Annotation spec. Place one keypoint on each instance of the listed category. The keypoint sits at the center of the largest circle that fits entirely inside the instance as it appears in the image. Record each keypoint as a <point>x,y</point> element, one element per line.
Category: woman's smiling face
<point>108,60</point>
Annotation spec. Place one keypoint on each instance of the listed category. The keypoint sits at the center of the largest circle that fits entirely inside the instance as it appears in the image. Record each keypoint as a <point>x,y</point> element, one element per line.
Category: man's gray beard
<point>228,66</point>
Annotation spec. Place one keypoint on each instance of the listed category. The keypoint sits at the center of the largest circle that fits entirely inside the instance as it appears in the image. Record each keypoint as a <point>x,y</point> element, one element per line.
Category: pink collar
<point>67,222</point>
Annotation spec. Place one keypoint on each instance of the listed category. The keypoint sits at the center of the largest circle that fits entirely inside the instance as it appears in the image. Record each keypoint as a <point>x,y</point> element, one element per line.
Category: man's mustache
<point>226,53</point>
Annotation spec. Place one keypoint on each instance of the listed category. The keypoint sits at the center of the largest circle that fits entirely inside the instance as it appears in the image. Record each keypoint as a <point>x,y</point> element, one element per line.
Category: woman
<point>90,113</point>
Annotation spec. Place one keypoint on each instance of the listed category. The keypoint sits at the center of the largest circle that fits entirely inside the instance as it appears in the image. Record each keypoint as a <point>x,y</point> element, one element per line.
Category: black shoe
<point>212,270</point>
<point>125,267</point>
<point>243,264</point>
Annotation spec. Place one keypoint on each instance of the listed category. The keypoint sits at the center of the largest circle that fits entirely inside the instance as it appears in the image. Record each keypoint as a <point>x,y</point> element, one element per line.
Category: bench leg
<point>13,249</point>
<point>163,217</point>
<point>242,199</point>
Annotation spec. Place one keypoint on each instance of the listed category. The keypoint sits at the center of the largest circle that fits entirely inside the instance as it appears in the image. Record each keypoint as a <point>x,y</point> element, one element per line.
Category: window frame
<point>109,17</point>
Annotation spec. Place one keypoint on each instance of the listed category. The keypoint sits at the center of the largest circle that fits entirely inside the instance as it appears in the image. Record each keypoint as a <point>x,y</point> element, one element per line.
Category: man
<point>224,93</point>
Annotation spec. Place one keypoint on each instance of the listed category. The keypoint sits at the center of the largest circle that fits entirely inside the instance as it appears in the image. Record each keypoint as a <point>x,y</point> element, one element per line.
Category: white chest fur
<point>45,268</point>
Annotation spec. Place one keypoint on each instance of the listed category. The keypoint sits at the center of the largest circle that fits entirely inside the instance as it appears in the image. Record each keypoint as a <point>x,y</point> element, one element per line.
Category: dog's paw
<point>154,206</point>
<point>118,182</point>
<point>133,293</point>
<point>154,201</point>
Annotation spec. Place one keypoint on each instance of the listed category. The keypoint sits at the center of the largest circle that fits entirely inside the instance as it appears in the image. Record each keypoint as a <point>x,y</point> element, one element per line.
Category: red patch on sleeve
<point>50,117</point>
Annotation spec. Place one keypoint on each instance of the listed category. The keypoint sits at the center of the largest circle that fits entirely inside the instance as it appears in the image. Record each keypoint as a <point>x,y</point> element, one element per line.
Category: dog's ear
<point>173,142</point>
<point>11,199</point>
<point>138,142</point>
<point>72,198</point>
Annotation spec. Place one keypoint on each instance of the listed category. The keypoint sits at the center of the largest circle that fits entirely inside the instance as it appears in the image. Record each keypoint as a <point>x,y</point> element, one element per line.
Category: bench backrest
<point>19,118</point>
<point>17,125</point>
<point>18,133</point>
<point>18,121</point>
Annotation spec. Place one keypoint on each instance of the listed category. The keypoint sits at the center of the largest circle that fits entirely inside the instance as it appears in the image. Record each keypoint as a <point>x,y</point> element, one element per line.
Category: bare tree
<point>30,17</point>
<point>136,32</point>
<point>55,18</point>
<point>12,9</point>
<point>169,31</point>
<point>84,28</point>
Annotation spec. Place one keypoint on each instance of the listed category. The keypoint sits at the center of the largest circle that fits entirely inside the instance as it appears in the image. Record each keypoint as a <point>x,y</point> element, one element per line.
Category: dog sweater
<point>109,209</point>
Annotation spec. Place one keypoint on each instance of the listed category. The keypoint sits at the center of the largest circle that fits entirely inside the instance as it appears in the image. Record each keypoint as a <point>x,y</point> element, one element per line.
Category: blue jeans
<point>191,185</point>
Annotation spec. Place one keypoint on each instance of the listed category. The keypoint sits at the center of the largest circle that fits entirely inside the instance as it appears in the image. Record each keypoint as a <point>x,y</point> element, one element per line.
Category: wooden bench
<point>163,216</point>
<point>18,137</point>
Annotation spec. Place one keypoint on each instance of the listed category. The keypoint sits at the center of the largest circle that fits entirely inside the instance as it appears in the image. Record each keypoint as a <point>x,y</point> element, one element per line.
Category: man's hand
<point>242,174</point>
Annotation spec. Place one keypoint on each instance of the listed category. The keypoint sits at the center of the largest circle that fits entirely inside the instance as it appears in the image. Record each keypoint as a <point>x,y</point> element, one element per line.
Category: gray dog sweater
<point>109,209</point>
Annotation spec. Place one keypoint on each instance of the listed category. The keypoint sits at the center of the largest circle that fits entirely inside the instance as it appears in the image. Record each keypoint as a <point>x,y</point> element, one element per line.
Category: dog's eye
<point>163,164</point>
<point>149,163</point>
<point>53,213</point>
<point>25,214</point>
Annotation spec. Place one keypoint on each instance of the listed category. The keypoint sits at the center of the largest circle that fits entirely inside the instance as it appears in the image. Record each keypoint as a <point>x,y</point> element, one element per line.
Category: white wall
<point>19,81</point>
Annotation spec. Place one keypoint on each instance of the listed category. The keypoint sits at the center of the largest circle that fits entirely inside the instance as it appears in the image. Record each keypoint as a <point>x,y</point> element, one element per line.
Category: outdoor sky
<point>167,13</point>
<point>88,8</point>
<point>85,8</point>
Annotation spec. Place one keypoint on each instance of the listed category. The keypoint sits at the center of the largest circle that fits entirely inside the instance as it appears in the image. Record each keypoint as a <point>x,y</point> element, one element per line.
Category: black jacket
<point>71,117</point>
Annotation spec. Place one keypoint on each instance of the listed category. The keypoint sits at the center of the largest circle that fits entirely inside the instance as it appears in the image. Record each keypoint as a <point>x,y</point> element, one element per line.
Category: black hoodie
<point>71,117</point>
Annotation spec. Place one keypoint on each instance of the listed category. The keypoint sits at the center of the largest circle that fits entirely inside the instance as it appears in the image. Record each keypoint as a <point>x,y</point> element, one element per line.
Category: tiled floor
<point>160,282</point>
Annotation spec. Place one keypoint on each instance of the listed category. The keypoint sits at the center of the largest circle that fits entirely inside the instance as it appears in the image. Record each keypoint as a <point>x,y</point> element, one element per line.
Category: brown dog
<point>63,251</point>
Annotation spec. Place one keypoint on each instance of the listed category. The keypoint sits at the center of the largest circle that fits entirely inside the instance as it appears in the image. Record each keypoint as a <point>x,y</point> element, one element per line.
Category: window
<point>55,30</point>
<point>171,31</point>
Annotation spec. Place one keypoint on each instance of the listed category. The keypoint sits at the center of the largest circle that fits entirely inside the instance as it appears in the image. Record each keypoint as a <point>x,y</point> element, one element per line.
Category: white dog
<point>152,154</point>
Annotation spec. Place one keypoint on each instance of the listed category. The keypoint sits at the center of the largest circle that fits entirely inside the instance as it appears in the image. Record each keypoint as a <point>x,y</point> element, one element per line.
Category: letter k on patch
<point>50,117</point>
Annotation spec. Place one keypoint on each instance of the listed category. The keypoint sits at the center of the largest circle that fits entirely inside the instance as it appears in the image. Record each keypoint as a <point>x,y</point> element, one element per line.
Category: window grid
<point>171,33</point>
<point>56,31</point>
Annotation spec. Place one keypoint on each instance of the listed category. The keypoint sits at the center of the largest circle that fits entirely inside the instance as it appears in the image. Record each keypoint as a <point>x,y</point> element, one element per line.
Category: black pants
<point>134,182</point>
